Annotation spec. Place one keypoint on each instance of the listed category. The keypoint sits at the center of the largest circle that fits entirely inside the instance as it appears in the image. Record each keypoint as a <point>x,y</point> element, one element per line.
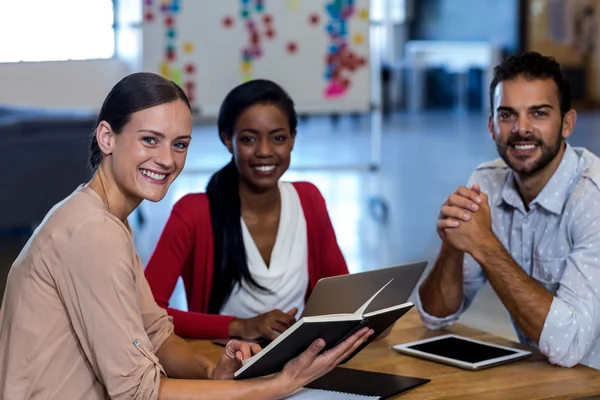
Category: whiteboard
<point>317,50</point>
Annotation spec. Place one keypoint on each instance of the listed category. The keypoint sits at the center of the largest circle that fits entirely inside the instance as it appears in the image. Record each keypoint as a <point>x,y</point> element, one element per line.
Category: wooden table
<point>532,378</point>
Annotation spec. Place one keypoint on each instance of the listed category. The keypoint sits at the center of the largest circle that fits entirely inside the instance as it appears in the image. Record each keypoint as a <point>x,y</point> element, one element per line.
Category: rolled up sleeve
<point>573,322</point>
<point>473,280</point>
<point>117,328</point>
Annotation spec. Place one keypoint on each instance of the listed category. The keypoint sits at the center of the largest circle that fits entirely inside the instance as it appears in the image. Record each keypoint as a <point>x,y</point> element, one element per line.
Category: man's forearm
<point>526,301</point>
<point>182,361</point>
<point>442,291</point>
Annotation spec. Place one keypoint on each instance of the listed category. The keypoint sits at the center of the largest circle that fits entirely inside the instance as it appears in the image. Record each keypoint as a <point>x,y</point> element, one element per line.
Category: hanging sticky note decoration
<point>176,64</point>
<point>359,39</point>
<point>165,70</point>
<point>190,68</point>
<point>188,47</point>
<point>292,47</point>
<point>170,53</point>
<point>190,86</point>
<point>177,76</point>
<point>340,59</point>
<point>314,19</point>
<point>246,67</point>
<point>363,14</point>
<point>335,89</point>
<point>227,22</point>
<point>253,14</point>
<point>190,91</point>
<point>149,16</point>
<point>292,5</point>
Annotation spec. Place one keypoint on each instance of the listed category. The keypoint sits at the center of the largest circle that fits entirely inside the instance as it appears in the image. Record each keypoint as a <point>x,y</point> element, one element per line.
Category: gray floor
<point>381,217</point>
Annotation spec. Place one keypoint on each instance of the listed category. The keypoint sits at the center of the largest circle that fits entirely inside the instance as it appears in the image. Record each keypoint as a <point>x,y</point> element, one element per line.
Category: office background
<point>386,144</point>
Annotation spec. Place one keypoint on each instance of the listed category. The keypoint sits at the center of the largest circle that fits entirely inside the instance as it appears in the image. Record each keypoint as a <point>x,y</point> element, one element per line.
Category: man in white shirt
<point>528,222</point>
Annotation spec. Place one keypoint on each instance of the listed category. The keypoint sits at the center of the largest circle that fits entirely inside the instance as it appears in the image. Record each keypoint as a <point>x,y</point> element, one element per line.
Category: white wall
<point>60,84</point>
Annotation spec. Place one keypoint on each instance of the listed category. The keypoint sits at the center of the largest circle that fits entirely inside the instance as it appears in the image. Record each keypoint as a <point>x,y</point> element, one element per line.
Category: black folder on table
<point>366,383</point>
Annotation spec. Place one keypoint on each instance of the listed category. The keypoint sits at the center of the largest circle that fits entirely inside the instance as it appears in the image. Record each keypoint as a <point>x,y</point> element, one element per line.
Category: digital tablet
<point>461,352</point>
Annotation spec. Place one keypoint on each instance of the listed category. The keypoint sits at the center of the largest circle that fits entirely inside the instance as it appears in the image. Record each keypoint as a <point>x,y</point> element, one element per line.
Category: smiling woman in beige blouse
<point>78,320</point>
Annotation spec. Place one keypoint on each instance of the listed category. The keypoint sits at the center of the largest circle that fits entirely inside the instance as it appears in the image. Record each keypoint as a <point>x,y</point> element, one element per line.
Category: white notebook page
<point>317,394</point>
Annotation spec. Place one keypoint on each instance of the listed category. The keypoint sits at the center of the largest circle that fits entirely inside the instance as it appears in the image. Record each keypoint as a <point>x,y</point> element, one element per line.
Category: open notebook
<point>332,328</point>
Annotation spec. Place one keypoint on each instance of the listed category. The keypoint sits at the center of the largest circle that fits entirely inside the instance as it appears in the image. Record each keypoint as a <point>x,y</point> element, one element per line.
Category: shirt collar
<point>554,195</point>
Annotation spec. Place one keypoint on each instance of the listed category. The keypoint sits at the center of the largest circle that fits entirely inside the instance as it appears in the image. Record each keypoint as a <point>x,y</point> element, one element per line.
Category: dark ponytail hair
<point>133,93</point>
<point>231,266</point>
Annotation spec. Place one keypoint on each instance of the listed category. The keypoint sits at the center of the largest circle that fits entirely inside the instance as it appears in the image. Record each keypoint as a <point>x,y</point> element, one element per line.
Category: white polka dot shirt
<point>557,243</point>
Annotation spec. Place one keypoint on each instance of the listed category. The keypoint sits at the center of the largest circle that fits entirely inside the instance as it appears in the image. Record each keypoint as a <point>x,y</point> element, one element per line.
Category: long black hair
<point>135,92</point>
<point>230,265</point>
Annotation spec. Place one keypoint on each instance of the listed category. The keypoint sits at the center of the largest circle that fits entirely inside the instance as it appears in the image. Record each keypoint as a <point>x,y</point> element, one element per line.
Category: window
<point>393,11</point>
<point>43,30</point>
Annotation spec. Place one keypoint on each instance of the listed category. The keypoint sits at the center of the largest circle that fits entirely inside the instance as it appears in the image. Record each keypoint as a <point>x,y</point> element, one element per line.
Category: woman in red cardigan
<point>251,249</point>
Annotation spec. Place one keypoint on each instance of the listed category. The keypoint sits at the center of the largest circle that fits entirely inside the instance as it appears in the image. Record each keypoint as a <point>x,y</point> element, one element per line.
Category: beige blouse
<point>78,320</point>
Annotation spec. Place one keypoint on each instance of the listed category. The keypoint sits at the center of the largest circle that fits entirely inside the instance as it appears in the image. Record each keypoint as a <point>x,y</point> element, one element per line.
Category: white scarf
<point>287,275</point>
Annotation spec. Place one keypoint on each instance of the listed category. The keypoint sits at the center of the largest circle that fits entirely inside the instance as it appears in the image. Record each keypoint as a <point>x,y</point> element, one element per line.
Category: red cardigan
<point>186,249</point>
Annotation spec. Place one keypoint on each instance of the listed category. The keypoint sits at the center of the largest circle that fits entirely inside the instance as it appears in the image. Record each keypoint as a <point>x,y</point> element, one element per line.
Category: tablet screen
<point>462,350</point>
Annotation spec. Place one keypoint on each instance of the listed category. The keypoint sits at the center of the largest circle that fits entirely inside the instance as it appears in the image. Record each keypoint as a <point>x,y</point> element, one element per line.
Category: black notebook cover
<point>273,359</point>
<point>297,339</point>
<point>366,383</point>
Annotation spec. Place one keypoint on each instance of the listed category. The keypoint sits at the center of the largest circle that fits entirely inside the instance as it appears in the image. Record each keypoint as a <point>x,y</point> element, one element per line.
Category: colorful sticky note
<point>292,5</point>
<point>176,76</point>
<point>292,47</point>
<point>170,53</point>
<point>246,66</point>
<point>313,19</point>
<point>363,14</point>
<point>227,22</point>
<point>334,89</point>
<point>188,47</point>
<point>165,70</point>
<point>190,68</point>
<point>359,39</point>
<point>190,85</point>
